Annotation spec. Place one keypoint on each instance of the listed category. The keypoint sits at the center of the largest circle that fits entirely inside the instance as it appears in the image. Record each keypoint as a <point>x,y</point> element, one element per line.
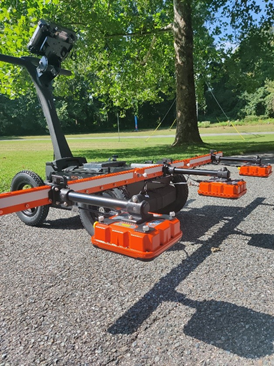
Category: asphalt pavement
<point>206,301</point>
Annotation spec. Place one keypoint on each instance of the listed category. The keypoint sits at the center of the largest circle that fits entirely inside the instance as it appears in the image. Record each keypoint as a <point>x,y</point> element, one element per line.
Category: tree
<point>249,68</point>
<point>251,63</point>
<point>187,127</point>
<point>128,46</point>
<point>269,99</point>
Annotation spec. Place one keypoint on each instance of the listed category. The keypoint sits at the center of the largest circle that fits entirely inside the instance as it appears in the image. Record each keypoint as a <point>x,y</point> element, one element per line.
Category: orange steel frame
<point>33,197</point>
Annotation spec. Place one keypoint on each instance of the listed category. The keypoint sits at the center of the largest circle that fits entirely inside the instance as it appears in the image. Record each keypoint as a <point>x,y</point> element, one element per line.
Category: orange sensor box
<point>231,189</point>
<point>141,241</point>
<point>256,171</point>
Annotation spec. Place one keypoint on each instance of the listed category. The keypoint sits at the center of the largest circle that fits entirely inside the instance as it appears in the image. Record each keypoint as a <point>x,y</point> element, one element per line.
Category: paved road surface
<point>206,301</point>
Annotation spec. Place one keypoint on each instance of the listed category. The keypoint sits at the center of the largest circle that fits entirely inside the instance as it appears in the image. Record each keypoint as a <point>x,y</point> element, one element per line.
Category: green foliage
<point>261,102</point>
<point>18,20</point>
<point>126,46</point>
<point>269,99</point>
<point>21,116</point>
<point>124,59</point>
<point>255,102</point>
<point>204,124</point>
<point>252,62</point>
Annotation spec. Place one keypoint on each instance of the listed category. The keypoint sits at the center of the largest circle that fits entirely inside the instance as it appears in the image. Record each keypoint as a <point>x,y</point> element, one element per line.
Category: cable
<point>210,89</point>
<point>161,120</point>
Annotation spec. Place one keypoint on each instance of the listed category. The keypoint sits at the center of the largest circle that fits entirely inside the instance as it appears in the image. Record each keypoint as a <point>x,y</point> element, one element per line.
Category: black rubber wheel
<point>87,213</point>
<point>28,179</point>
<point>181,187</point>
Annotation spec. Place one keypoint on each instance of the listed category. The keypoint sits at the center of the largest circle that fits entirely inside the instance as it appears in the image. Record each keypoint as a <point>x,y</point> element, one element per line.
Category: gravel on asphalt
<point>206,301</point>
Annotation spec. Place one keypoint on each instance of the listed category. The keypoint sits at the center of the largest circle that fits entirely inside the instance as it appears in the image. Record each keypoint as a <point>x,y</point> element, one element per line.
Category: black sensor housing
<point>52,41</point>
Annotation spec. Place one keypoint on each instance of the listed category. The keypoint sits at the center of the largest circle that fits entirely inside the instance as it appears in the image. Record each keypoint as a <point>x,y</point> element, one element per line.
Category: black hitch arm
<point>216,159</point>
<point>60,194</point>
<point>136,209</point>
<point>223,173</point>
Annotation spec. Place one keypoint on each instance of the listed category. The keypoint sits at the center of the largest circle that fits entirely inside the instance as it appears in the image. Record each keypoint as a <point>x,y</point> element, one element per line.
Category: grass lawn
<point>32,152</point>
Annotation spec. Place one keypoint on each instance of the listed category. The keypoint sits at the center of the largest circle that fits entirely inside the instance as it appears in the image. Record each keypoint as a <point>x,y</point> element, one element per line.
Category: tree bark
<point>187,131</point>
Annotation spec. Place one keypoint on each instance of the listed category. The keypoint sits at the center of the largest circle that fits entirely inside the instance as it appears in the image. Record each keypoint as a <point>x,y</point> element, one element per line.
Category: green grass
<point>32,152</point>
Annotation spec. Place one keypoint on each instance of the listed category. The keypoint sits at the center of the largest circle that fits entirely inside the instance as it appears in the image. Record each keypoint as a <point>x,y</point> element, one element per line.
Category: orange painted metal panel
<point>128,239</point>
<point>34,197</point>
<point>24,199</point>
<point>256,171</point>
<point>193,162</point>
<point>233,189</point>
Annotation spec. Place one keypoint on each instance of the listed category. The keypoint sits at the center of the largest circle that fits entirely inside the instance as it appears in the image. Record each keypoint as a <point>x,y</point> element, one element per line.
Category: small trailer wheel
<point>28,179</point>
<point>181,186</point>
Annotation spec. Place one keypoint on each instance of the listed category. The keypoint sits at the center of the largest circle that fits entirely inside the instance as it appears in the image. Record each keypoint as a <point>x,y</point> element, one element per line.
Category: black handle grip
<point>24,61</point>
<point>13,60</point>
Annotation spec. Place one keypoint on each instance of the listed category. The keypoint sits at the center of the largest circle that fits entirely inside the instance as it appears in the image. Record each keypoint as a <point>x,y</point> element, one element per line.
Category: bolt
<point>101,218</point>
<point>145,228</point>
<point>134,199</point>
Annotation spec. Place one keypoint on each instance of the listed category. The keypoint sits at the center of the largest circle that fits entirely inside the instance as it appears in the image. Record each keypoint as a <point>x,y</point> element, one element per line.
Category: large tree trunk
<point>187,125</point>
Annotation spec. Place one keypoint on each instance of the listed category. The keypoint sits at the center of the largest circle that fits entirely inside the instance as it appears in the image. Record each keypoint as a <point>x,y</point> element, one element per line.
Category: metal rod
<point>133,208</point>
<point>256,160</point>
<point>223,173</point>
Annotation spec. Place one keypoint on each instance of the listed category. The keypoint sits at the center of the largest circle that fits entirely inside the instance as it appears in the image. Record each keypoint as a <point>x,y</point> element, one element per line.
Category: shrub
<point>204,124</point>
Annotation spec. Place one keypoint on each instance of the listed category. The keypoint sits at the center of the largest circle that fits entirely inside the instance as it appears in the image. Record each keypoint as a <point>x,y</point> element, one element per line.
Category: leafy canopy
<point>125,48</point>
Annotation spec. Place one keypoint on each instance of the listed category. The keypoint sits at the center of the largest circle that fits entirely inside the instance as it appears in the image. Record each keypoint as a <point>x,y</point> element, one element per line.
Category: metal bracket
<point>59,190</point>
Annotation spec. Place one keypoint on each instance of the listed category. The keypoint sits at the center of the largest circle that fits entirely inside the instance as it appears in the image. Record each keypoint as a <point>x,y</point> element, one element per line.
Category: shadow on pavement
<point>236,329</point>
<point>233,328</point>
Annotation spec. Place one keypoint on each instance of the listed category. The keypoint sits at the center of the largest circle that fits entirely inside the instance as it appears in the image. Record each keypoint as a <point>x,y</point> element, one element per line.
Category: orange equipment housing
<point>141,241</point>
<point>255,170</point>
<point>253,166</point>
<point>231,189</point>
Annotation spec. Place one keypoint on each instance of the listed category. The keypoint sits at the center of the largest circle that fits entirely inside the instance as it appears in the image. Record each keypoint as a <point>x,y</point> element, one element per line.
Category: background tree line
<point>124,63</point>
